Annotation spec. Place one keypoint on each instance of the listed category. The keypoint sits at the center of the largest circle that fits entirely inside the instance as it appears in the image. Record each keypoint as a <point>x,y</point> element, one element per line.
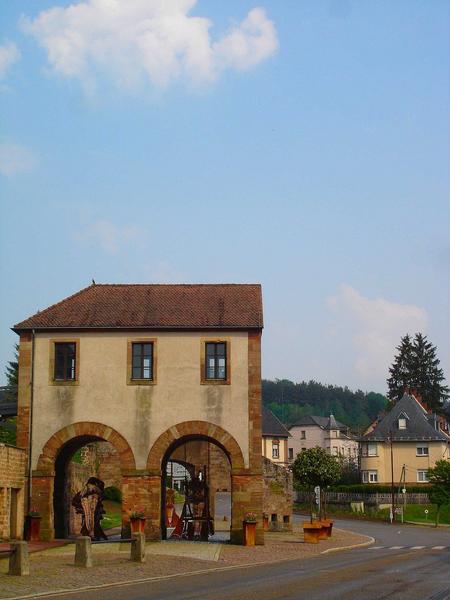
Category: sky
<point>301,144</point>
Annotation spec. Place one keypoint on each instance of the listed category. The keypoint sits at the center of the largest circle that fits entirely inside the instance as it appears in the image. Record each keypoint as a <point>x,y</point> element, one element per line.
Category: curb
<point>116,584</point>
<point>369,542</point>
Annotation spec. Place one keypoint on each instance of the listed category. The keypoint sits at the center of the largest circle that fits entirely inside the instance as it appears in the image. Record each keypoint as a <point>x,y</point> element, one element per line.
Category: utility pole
<point>392,478</point>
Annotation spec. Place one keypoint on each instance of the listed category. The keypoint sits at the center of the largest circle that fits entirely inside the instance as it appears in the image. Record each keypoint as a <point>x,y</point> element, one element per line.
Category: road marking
<point>396,548</point>
<point>376,548</point>
<point>439,547</point>
<point>417,547</point>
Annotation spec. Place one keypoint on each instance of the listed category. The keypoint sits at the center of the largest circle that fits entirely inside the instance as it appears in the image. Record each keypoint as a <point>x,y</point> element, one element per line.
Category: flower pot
<point>311,532</point>
<point>33,529</point>
<point>249,533</point>
<point>327,525</point>
<point>138,525</point>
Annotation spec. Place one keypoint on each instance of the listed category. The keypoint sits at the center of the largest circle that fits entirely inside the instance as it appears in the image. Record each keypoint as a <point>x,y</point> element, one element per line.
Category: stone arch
<point>48,478</point>
<point>89,430</point>
<point>189,429</point>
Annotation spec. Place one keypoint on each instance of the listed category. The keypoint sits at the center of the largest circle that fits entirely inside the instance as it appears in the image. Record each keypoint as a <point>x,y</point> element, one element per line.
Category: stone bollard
<point>19,563</point>
<point>83,552</point>
<point>138,547</point>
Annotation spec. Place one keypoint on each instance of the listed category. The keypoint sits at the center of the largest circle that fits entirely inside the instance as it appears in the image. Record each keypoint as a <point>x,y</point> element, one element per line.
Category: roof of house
<point>322,422</point>
<point>187,306</point>
<point>420,425</point>
<point>271,424</point>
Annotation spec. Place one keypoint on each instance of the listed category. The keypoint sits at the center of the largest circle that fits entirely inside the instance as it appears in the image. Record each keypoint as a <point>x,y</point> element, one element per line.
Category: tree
<point>439,477</point>
<point>12,368</point>
<point>416,366</point>
<point>314,467</point>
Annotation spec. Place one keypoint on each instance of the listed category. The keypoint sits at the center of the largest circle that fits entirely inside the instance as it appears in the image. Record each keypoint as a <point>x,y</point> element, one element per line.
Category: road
<point>405,563</point>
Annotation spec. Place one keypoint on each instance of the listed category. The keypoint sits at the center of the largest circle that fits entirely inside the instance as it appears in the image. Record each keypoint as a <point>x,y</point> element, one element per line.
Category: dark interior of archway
<point>194,454</point>
<point>62,460</point>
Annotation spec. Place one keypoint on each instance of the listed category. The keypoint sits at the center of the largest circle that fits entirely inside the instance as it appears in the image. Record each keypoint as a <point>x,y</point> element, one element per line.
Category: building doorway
<point>196,491</point>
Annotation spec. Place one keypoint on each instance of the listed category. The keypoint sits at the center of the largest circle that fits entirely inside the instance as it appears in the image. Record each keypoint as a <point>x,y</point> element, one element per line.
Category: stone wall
<point>278,496</point>
<point>12,491</point>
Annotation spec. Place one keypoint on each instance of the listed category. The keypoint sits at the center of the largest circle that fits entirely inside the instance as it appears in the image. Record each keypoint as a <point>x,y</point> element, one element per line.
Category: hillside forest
<point>290,401</point>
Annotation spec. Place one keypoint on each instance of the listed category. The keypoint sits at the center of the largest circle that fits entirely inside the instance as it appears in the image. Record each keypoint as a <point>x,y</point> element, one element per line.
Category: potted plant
<point>137,520</point>
<point>33,525</point>
<point>315,467</point>
<point>249,525</point>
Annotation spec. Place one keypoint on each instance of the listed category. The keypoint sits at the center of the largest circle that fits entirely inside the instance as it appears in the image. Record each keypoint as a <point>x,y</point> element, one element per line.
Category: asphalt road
<point>405,563</point>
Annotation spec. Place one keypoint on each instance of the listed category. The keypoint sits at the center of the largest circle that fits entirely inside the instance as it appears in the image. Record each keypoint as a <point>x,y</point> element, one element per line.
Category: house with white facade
<point>325,432</point>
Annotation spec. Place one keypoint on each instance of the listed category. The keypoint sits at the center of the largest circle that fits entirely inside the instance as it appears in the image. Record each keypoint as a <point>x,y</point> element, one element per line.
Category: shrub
<point>113,493</point>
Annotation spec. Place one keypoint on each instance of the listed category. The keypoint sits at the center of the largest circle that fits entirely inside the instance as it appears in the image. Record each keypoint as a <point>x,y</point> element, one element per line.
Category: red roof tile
<point>197,306</point>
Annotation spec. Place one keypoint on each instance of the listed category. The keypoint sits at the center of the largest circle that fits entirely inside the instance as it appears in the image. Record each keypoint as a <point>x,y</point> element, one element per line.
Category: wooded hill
<point>290,401</point>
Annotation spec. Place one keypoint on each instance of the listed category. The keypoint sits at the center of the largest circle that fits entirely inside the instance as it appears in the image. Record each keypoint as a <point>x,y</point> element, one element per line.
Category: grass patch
<point>414,512</point>
<point>113,515</point>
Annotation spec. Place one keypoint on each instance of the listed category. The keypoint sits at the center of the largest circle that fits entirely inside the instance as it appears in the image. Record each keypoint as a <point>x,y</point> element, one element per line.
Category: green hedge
<point>113,493</point>
<point>370,488</point>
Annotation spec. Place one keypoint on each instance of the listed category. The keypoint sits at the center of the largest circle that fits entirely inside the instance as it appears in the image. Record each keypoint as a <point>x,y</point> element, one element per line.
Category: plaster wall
<point>267,442</point>
<point>140,413</point>
<point>314,436</point>
<point>405,453</point>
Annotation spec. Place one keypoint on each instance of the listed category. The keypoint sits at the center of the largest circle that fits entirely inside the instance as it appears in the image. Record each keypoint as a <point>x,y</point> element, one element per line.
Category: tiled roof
<point>419,424</point>
<point>321,422</point>
<point>271,424</point>
<point>187,306</point>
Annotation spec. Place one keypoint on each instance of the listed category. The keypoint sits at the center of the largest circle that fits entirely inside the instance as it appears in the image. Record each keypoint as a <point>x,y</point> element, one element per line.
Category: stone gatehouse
<point>146,368</point>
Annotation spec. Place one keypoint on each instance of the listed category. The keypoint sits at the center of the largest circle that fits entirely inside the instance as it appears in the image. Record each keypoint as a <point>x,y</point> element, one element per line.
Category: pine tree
<point>400,371</point>
<point>12,368</point>
<point>416,366</point>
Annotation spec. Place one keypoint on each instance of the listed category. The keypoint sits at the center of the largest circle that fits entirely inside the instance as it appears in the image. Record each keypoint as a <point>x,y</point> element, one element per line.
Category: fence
<point>370,499</point>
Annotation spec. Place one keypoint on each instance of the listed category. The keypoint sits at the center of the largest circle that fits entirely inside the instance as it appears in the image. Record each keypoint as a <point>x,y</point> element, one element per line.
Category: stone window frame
<point>215,340</point>
<point>276,449</point>
<point>142,340</point>
<point>51,370</point>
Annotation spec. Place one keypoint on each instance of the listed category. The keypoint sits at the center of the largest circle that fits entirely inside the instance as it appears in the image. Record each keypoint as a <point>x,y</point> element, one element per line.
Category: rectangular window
<point>370,476</point>
<point>303,435</point>
<point>422,451</point>
<point>65,361</point>
<point>216,360</point>
<point>422,476</point>
<point>371,449</point>
<point>275,450</point>
<point>291,453</point>
<point>402,423</point>
<point>142,360</point>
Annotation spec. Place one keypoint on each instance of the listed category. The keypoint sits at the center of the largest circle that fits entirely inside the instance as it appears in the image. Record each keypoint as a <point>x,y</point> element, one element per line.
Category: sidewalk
<point>52,569</point>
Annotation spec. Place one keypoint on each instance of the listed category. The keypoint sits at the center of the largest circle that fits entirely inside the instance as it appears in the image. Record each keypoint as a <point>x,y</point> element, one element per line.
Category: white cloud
<point>9,54</point>
<point>15,159</point>
<point>375,327</point>
<point>108,236</point>
<point>137,40</point>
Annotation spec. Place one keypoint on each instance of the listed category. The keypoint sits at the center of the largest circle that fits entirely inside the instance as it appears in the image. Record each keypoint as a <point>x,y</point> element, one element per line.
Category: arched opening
<point>196,490</point>
<point>82,458</point>
<point>49,479</point>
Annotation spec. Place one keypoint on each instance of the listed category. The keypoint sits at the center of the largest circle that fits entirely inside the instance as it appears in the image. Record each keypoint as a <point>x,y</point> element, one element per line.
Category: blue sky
<point>300,144</point>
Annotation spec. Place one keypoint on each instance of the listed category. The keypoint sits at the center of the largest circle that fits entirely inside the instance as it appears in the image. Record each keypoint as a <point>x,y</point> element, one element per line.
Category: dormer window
<point>403,420</point>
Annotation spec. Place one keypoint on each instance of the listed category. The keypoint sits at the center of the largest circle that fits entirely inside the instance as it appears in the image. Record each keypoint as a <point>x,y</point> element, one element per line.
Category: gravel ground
<point>57,572</point>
